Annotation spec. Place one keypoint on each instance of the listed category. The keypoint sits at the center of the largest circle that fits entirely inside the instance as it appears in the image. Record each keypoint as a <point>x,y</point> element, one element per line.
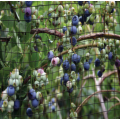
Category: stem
<point>85,101</point>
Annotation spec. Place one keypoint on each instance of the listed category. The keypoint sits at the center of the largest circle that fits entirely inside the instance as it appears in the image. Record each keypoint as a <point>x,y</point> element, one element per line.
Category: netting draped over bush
<point>59,59</point>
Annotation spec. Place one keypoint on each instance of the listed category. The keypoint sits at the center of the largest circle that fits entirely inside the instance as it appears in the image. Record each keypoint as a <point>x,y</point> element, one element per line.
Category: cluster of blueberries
<point>9,101</point>
<point>52,104</point>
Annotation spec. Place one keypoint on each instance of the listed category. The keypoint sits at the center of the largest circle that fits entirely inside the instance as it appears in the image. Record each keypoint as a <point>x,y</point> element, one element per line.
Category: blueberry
<point>97,62</point>
<point>113,89</point>
<point>36,48</point>
<point>50,55</point>
<point>16,104</point>
<point>110,55</point>
<point>37,37</point>
<point>61,81</point>
<point>75,58</point>
<point>28,3</point>
<point>29,112</point>
<point>49,104</point>
<point>65,78</point>
<point>117,63</point>
<point>99,73</point>
<point>64,29</point>
<point>100,49</point>
<point>81,20</point>
<point>80,3</point>
<point>27,18</point>
<point>11,9</point>
<point>32,94</point>
<point>73,30</point>
<point>66,65</point>
<point>78,78</point>
<point>35,103</point>
<point>73,41</point>
<point>112,10</point>
<point>86,14</point>
<point>86,66</point>
<point>73,67</point>
<point>70,90</point>
<point>60,48</point>
<point>49,15</point>
<point>90,60</point>
<point>1,103</point>
<point>28,11</point>
<point>53,108</point>
<point>10,90</point>
<point>53,100</point>
<point>75,20</point>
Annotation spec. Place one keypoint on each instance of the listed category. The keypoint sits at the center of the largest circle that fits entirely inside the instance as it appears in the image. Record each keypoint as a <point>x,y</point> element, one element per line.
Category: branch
<point>3,39</point>
<point>100,97</point>
<point>115,98</point>
<point>85,101</point>
<point>106,75</point>
<point>118,71</point>
<point>14,12</point>
<point>49,31</point>
<point>98,35</point>
<point>114,106</point>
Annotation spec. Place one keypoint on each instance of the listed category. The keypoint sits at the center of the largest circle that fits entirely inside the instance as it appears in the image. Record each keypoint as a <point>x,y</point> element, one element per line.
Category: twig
<point>49,31</point>
<point>14,12</point>
<point>118,71</point>
<point>106,75</point>
<point>100,97</point>
<point>3,39</point>
<point>53,10</point>
<point>115,98</point>
<point>114,106</point>
<point>85,101</point>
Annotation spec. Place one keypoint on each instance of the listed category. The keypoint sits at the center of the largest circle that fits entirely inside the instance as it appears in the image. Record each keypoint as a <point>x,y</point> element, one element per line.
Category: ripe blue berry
<point>35,103</point>
<point>50,55</point>
<point>97,62</point>
<point>80,3</point>
<point>73,30</point>
<point>78,78</point>
<point>64,29</point>
<point>27,18</point>
<point>73,67</point>
<point>60,48</point>
<point>81,20</point>
<point>86,14</point>
<point>28,11</point>
<point>32,94</point>
<point>49,104</point>
<point>73,41</point>
<point>53,108</point>
<point>29,112</point>
<point>117,63</point>
<point>86,66</point>
<point>110,55</point>
<point>75,58</point>
<point>11,9</point>
<point>53,100</point>
<point>37,37</point>
<point>70,90</point>
<point>112,10</point>
<point>65,78</point>
<point>75,20</point>
<point>99,73</point>
<point>90,60</point>
<point>36,48</point>
<point>66,65</point>
<point>61,81</point>
<point>16,104</point>
<point>28,3</point>
<point>10,90</point>
<point>49,15</point>
<point>61,60</point>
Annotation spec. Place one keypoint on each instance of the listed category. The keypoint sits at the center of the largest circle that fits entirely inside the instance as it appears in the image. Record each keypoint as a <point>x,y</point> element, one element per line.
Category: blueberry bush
<point>59,59</point>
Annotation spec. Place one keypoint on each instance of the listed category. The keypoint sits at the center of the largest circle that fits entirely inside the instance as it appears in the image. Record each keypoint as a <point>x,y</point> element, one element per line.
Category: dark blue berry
<point>28,11</point>
<point>28,3</point>
<point>11,9</point>
<point>61,81</point>
<point>73,41</point>
<point>10,90</point>
<point>99,73</point>
<point>49,15</point>
<point>35,103</point>
<point>27,18</point>
<point>73,30</point>
<point>80,3</point>
<point>112,10</point>
<point>78,78</point>
<point>117,63</point>
<point>53,108</point>
<point>75,58</point>
<point>75,20</point>
<point>49,104</point>
<point>16,104</point>
<point>32,94</point>
<point>65,78</point>
<point>81,20</point>
<point>86,66</point>
<point>110,55</point>
<point>86,14</point>
<point>37,37</point>
<point>61,60</point>
<point>90,60</point>
<point>64,29</point>
<point>29,112</point>
<point>53,100</point>
<point>73,67</point>
<point>97,62</point>
<point>70,90</point>
<point>60,48</point>
<point>66,65</point>
<point>50,55</point>
<point>36,48</point>
<point>1,103</point>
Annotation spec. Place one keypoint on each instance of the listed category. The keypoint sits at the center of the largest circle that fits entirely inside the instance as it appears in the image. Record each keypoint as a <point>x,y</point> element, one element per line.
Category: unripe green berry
<point>60,8</point>
<point>66,6</point>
